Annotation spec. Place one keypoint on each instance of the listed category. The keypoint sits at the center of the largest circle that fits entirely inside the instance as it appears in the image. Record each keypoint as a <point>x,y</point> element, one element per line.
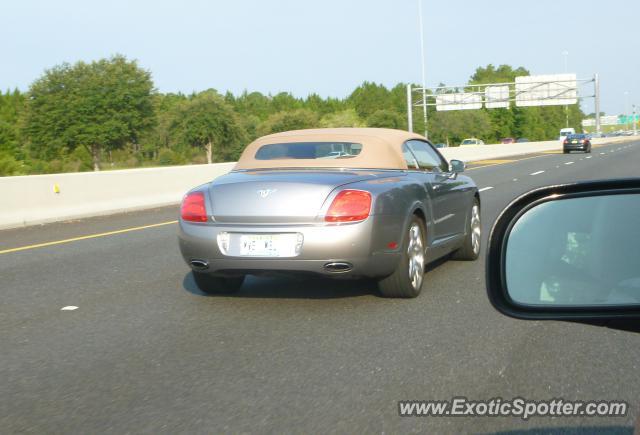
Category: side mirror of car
<point>569,252</point>
<point>456,166</point>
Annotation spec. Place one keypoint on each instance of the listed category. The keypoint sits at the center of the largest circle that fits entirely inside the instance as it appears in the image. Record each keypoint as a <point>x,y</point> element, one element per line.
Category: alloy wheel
<point>415,251</point>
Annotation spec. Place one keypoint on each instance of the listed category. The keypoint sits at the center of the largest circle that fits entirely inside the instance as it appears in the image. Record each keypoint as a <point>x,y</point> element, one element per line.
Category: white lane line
<point>515,179</point>
<point>485,188</point>
<point>588,157</point>
<point>536,173</point>
<point>69,308</point>
<point>602,154</point>
<point>569,163</point>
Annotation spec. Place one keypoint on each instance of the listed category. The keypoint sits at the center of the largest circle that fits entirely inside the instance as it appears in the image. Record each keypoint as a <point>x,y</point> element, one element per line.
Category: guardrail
<point>38,199</point>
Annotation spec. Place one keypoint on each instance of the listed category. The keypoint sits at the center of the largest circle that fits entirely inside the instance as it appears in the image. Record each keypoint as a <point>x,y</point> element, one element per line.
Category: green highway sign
<point>628,119</point>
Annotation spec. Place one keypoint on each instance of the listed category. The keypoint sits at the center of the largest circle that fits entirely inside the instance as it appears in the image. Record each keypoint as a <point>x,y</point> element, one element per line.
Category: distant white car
<point>472,141</point>
<point>566,132</point>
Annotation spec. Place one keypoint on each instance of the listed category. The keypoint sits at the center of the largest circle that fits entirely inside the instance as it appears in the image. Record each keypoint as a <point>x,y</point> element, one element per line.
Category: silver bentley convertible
<point>344,203</point>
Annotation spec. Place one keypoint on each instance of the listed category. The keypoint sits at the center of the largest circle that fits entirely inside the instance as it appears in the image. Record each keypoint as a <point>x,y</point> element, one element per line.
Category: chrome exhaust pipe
<point>338,267</point>
<point>199,264</point>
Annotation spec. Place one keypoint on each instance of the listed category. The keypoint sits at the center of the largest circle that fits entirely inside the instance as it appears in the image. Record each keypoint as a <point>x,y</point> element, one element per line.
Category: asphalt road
<point>146,352</point>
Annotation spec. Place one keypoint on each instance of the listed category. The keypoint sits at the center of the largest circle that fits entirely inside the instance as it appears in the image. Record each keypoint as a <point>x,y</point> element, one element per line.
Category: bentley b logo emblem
<point>266,192</point>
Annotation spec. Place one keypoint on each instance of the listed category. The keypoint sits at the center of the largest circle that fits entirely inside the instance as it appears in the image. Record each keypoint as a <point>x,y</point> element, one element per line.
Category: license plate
<point>268,245</point>
<point>574,141</point>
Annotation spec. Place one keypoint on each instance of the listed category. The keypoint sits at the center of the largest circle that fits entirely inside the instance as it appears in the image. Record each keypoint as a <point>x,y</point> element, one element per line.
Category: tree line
<point>107,114</point>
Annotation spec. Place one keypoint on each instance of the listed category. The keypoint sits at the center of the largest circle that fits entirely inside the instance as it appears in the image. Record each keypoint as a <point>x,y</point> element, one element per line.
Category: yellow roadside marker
<point>90,236</point>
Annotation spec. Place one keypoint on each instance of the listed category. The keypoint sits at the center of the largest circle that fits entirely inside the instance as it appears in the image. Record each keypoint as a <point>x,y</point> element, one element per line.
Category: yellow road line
<point>492,161</point>
<point>505,162</point>
<point>89,236</point>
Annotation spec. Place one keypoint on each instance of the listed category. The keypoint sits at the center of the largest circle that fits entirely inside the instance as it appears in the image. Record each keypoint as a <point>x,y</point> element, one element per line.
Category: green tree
<point>207,122</point>
<point>501,74</point>
<point>101,105</point>
<point>503,121</point>
<point>284,102</point>
<point>323,106</point>
<point>293,120</point>
<point>344,118</point>
<point>11,104</point>
<point>368,98</point>
<point>384,118</point>
<point>165,107</point>
<point>9,165</point>
<point>253,103</point>
<point>454,126</point>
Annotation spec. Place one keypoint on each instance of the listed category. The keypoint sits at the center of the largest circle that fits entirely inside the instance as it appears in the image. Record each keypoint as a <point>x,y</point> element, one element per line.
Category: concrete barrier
<point>38,199</point>
<point>473,153</point>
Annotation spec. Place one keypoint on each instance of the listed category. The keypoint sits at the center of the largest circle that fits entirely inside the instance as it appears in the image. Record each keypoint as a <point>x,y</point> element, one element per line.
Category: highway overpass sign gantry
<point>525,91</point>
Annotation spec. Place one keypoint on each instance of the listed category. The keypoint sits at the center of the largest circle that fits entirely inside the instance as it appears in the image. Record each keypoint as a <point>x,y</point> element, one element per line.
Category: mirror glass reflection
<point>576,252</point>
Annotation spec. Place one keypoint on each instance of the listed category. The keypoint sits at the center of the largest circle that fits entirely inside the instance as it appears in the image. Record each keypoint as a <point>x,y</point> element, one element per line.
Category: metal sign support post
<point>424,82</point>
<point>409,110</point>
<point>596,85</point>
<point>424,112</point>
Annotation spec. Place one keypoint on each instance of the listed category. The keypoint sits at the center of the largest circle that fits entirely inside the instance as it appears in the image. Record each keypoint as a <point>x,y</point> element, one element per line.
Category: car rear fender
<point>394,201</point>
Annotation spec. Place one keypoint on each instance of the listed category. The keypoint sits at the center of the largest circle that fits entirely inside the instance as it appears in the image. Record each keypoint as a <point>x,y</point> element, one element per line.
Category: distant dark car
<point>522,140</point>
<point>507,140</point>
<point>441,145</point>
<point>576,142</point>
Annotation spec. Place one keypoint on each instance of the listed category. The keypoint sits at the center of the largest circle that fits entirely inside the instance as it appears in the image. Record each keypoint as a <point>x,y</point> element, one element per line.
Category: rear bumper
<point>323,244</point>
<point>576,147</point>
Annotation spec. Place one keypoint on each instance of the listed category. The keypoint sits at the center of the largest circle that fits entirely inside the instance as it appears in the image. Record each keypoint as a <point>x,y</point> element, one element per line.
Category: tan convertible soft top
<point>381,148</point>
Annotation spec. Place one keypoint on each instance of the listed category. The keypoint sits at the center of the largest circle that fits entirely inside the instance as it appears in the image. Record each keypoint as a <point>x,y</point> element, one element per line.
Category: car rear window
<point>308,150</point>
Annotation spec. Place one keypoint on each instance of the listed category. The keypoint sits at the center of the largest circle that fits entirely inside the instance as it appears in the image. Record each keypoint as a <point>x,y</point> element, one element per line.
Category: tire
<point>217,284</point>
<point>588,151</point>
<point>406,281</point>
<point>470,249</point>
<point>565,152</point>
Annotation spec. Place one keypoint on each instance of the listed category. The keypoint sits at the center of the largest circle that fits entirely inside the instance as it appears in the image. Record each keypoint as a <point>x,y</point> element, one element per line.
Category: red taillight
<point>566,141</point>
<point>349,206</point>
<point>584,141</point>
<point>193,208</point>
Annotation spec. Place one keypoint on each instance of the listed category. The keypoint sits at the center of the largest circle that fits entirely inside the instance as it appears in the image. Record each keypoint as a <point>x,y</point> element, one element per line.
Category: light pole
<point>596,102</point>
<point>424,81</point>
<point>565,53</point>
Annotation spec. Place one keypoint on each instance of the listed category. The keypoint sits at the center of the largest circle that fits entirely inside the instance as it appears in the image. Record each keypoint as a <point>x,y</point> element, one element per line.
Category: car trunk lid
<point>278,196</point>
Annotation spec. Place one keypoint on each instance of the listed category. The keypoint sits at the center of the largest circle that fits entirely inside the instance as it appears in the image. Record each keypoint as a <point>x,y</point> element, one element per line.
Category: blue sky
<point>327,47</point>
